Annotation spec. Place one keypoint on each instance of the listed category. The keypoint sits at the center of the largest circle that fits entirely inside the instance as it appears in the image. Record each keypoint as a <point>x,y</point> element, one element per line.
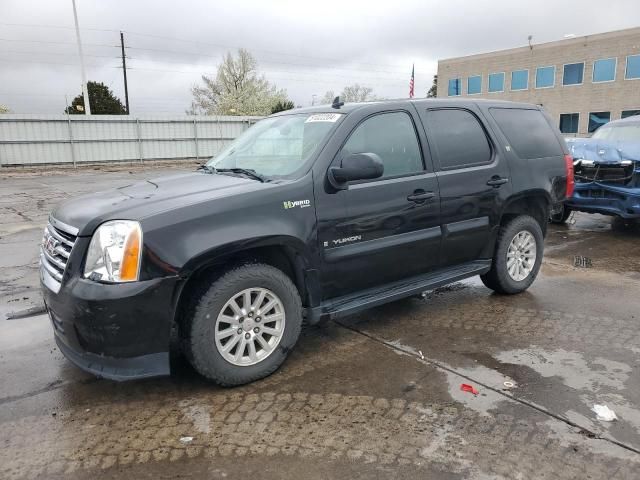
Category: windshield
<point>630,132</point>
<point>277,146</point>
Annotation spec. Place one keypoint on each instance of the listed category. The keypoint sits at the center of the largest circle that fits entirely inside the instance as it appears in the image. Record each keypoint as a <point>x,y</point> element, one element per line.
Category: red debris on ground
<point>468,388</point>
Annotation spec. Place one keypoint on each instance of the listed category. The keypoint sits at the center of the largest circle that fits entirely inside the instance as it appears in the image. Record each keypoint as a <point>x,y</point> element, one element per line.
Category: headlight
<point>114,252</point>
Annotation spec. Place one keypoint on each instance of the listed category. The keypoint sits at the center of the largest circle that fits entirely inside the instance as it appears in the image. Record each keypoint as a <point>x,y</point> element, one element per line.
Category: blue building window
<point>604,70</point>
<point>573,74</point>
<point>633,67</point>
<point>496,82</point>
<point>569,122</point>
<point>474,84</point>
<point>545,77</point>
<point>455,87</point>
<point>520,80</point>
<point>630,113</point>
<point>597,119</point>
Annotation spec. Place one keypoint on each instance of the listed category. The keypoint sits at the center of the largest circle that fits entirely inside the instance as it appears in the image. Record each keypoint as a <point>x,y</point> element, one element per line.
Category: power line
<point>262,62</point>
<point>197,42</point>
<point>55,26</point>
<point>67,54</point>
<point>51,42</point>
<point>12,60</point>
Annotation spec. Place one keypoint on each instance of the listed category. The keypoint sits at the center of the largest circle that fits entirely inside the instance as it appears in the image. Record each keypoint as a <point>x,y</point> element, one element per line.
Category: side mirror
<point>357,166</point>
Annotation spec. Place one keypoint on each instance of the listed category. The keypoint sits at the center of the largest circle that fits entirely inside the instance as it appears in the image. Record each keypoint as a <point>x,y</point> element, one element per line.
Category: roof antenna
<point>530,37</point>
<point>337,103</point>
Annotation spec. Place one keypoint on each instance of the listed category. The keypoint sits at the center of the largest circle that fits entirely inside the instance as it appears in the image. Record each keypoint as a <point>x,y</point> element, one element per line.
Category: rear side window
<point>459,139</point>
<point>528,132</point>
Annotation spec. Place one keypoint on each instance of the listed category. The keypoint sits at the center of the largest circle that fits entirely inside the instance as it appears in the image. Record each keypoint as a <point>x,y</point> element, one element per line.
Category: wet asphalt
<point>375,395</point>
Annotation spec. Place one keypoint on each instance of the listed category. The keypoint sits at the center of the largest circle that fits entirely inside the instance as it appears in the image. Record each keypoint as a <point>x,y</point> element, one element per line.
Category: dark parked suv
<point>311,214</point>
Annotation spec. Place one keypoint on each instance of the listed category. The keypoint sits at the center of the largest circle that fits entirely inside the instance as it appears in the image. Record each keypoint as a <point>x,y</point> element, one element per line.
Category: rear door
<point>474,179</point>
<point>388,228</point>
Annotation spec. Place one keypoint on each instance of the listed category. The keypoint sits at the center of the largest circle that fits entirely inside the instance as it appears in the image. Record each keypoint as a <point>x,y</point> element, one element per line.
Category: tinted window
<point>633,67</point>
<point>573,74</point>
<point>527,132</point>
<point>392,137</point>
<point>474,85</point>
<point>629,113</point>
<point>455,87</point>
<point>458,138</point>
<point>520,80</point>
<point>604,70</point>
<point>569,122</point>
<point>496,82</point>
<point>545,77</point>
<point>597,119</point>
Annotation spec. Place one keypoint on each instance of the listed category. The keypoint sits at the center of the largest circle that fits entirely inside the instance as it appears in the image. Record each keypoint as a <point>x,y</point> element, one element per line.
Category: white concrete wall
<point>77,139</point>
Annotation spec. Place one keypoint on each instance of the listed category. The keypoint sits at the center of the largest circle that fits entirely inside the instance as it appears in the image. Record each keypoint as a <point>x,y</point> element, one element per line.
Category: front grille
<point>55,250</point>
<point>619,174</point>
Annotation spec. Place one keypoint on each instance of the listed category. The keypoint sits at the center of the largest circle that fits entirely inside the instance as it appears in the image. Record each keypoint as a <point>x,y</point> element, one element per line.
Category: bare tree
<point>237,89</point>
<point>351,93</point>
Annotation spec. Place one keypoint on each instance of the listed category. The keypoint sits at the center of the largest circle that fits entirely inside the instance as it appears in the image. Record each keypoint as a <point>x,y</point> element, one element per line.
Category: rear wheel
<point>561,214</point>
<point>244,325</point>
<point>517,257</point>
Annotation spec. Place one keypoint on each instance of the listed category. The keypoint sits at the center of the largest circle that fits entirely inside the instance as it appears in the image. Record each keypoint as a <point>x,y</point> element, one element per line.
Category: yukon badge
<point>297,203</point>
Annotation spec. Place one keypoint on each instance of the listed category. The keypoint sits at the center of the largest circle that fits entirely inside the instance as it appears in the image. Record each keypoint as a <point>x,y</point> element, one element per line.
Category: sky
<point>307,48</point>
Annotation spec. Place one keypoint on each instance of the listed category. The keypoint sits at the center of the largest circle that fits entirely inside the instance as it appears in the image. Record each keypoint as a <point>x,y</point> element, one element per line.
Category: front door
<point>382,230</point>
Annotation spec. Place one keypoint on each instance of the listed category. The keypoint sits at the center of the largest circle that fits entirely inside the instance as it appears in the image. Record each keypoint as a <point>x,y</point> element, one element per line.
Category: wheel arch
<point>287,254</point>
<point>535,203</point>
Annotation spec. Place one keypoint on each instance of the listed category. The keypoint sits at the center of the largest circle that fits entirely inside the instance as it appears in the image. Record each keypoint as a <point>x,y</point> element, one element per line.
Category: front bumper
<point>115,331</point>
<point>606,199</point>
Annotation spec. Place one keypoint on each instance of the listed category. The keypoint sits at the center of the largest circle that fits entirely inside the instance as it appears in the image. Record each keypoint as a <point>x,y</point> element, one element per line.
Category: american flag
<point>411,81</point>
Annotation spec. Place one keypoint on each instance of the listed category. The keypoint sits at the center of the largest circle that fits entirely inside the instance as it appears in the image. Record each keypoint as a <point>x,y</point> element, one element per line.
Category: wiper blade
<point>206,168</point>
<point>244,171</point>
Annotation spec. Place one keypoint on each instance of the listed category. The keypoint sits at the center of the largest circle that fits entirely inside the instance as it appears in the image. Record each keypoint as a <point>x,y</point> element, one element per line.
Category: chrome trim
<point>54,264</point>
<point>57,236</point>
<point>63,226</point>
<point>48,268</point>
<point>61,251</point>
<point>49,281</point>
<point>53,260</point>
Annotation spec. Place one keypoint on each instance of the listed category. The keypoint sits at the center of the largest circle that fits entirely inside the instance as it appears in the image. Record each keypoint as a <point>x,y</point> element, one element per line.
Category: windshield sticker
<point>323,117</point>
<point>297,203</point>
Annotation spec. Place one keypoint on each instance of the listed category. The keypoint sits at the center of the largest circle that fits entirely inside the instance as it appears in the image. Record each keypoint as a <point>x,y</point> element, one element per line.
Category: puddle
<point>571,367</point>
<point>486,399</point>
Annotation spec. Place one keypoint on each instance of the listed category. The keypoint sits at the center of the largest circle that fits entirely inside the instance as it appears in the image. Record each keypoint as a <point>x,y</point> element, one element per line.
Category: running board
<point>372,297</point>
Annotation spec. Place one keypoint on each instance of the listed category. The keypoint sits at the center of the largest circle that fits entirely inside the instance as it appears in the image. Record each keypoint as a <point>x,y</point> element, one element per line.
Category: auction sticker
<point>323,117</point>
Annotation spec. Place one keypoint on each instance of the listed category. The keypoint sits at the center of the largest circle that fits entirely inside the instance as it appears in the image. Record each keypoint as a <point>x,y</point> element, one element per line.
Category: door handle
<point>496,181</point>
<point>420,196</point>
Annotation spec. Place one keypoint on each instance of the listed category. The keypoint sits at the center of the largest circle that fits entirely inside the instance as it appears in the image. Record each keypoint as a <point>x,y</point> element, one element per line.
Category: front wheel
<point>242,328</point>
<point>517,257</point>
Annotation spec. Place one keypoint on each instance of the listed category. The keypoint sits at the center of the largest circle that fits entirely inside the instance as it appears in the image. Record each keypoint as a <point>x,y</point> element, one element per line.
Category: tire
<point>212,312</point>
<point>562,216</point>
<point>499,277</point>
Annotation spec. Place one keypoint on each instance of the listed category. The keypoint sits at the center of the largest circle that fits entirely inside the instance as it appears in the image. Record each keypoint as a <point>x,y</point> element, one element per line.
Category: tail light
<point>571,182</point>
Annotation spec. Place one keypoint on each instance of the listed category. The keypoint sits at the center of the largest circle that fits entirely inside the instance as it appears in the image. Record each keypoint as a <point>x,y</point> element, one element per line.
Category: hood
<point>146,198</point>
<point>603,151</point>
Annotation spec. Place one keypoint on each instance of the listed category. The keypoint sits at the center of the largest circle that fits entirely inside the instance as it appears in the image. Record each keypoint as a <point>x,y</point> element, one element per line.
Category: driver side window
<point>392,137</point>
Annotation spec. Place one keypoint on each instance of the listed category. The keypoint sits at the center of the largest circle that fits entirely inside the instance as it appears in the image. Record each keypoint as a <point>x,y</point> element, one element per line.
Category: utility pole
<point>124,71</point>
<point>85,91</point>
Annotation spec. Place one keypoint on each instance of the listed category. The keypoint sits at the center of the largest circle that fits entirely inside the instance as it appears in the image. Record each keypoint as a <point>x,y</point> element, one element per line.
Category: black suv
<point>311,214</point>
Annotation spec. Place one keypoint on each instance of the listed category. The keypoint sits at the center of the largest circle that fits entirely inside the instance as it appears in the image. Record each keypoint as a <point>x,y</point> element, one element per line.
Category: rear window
<point>528,132</point>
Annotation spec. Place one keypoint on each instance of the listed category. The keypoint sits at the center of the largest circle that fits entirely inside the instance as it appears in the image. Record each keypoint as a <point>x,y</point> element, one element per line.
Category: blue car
<point>607,172</point>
